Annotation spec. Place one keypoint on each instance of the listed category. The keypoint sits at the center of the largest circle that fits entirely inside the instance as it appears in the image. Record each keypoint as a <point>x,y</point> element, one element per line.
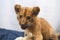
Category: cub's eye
<point>20,16</point>
<point>28,17</point>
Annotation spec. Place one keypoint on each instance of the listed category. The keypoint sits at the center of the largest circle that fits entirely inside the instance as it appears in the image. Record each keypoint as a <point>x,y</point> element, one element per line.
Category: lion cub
<point>28,20</point>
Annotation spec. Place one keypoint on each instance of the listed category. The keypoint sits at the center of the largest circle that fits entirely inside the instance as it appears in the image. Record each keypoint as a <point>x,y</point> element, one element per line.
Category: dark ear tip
<point>37,8</point>
<point>17,7</point>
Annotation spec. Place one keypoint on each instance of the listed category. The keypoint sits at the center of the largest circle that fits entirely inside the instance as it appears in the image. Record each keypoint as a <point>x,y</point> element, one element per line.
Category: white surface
<point>50,10</point>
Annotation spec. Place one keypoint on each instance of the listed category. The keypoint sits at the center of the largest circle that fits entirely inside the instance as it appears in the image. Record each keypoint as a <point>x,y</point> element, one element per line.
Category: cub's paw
<point>19,38</point>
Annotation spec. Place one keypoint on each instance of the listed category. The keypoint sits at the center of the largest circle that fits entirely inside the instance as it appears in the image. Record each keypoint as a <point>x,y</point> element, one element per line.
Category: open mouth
<point>24,27</point>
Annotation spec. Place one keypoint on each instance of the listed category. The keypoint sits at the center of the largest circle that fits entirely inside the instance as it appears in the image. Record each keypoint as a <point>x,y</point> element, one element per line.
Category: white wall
<point>49,11</point>
<point>58,12</point>
<point>4,13</point>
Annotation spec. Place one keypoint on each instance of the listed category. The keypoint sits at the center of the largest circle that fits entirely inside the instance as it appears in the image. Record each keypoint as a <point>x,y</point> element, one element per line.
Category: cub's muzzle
<point>23,26</point>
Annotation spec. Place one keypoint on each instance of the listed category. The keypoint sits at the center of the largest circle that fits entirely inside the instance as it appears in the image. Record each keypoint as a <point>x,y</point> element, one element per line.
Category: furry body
<point>28,20</point>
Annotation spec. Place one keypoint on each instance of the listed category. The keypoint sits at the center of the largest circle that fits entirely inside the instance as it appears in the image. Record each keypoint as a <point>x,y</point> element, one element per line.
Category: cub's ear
<point>36,10</point>
<point>17,8</point>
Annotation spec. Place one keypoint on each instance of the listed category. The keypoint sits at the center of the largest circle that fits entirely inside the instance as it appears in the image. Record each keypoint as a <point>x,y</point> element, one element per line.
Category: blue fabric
<point>9,34</point>
<point>59,37</point>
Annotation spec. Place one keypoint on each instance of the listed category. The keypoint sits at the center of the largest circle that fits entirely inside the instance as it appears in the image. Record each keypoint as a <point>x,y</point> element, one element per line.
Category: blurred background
<point>50,10</point>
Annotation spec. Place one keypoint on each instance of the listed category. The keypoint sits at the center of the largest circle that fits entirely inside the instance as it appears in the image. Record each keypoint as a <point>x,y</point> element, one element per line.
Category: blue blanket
<point>9,34</point>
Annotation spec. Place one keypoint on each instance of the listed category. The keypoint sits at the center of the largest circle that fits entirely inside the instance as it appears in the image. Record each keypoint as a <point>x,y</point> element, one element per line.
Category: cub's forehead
<point>26,10</point>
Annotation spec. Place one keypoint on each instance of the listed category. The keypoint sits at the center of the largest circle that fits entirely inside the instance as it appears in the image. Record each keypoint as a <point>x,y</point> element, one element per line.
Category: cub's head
<point>26,15</point>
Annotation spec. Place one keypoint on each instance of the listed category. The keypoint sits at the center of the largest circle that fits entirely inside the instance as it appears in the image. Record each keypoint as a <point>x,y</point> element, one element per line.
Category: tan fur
<point>55,36</point>
<point>39,27</point>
